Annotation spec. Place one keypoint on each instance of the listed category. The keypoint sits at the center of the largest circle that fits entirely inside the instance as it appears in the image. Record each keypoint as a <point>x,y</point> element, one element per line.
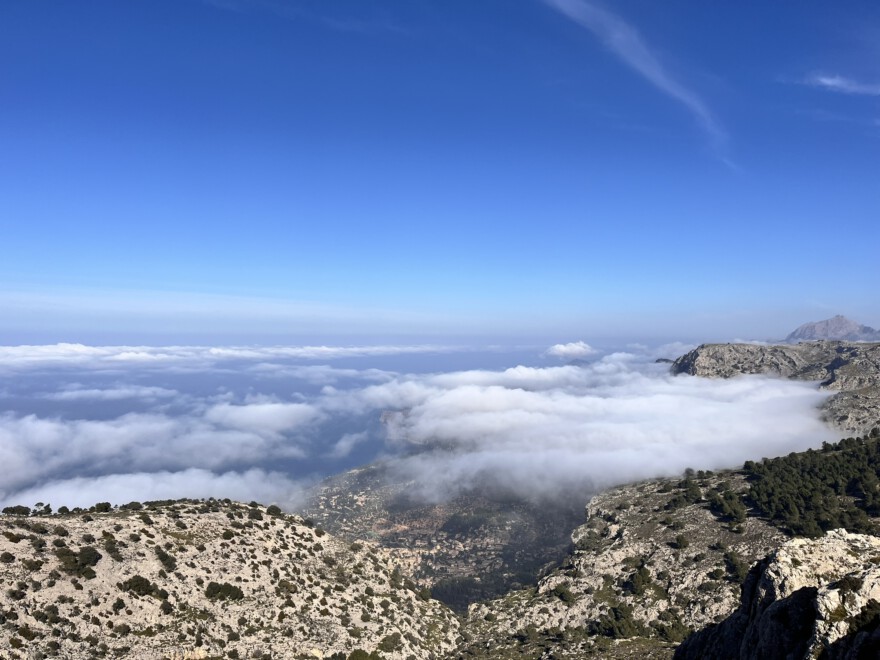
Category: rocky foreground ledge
<point>816,598</point>
<point>204,579</point>
<point>851,369</point>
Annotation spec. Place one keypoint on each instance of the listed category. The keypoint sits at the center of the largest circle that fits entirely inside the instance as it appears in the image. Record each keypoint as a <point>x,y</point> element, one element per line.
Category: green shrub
<point>224,591</point>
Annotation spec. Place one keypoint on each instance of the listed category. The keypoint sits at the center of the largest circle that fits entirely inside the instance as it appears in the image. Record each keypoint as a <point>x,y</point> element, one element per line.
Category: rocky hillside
<point>850,369</point>
<point>809,599</point>
<point>836,328</point>
<point>476,546</point>
<point>198,579</point>
<point>654,561</point>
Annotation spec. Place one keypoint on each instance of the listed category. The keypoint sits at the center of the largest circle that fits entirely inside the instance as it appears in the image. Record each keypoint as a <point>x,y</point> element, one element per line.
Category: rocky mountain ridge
<point>849,369</point>
<point>837,328</point>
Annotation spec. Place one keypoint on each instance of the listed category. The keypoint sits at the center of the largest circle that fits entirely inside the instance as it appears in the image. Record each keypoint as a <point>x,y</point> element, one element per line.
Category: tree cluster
<point>812,492</point>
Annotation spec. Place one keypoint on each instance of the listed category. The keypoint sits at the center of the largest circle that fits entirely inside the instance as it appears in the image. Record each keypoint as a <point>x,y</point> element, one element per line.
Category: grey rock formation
<point>838,327</point>
<point>809,599</point>
<point>851,369</point>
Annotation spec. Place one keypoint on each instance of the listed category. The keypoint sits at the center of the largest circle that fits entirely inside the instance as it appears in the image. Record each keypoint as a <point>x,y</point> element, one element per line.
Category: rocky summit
<point>851,370</point>
<point>838,327</point>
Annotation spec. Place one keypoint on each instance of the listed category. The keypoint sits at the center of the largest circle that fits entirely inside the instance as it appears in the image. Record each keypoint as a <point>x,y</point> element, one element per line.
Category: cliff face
<point>850,369</point>
<point>810,597</point>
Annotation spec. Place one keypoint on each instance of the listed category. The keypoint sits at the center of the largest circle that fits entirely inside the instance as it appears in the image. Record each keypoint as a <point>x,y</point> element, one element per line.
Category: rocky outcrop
<point>838,327</point>
<point>850,369</point>
<point>809,599</point>
<point>651,563</point>
<point>205,579</point>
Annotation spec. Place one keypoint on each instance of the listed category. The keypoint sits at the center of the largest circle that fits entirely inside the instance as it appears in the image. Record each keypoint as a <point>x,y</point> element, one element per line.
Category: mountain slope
<point>475,546</point>
<point>652,562</point>
<point>204,579</point>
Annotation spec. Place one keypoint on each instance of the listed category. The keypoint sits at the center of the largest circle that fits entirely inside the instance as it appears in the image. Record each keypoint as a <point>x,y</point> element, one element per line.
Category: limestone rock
<point>808,598</point>
<point>644,571</point>
<point>197,579</point>
<point>850,369</point>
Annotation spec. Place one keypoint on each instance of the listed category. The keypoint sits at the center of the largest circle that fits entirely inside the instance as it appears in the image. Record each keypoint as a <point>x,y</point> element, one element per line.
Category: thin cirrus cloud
<point>626,43</point>
<point>842,85</point>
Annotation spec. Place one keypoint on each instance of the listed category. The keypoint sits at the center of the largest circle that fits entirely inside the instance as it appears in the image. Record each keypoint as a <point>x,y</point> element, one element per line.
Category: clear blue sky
<point>269,170</point>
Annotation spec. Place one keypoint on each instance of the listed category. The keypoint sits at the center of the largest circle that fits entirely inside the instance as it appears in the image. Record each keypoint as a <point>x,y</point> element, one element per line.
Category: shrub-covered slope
<point>204,579</point>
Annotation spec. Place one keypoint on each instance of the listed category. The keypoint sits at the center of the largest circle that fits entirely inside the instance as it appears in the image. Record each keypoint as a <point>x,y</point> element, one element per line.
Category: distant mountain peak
<point>837,327</point>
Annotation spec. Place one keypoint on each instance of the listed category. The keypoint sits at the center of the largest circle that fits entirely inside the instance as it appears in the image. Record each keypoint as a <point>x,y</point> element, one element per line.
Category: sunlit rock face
<point>850,369</point>
<point>811,597</point>
<point>838,327</point>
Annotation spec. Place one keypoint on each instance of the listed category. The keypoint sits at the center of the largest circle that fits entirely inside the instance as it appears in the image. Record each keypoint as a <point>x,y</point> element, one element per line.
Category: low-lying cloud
<point>542,431</point>
<point>258,433</point>
<point>575,349</point>
<point>245,486</point>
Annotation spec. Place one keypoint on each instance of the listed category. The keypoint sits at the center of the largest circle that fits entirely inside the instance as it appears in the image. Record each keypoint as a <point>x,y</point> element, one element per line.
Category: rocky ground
<point>204,579</point>
<point>810,598</point>
<point>850,369</point>
<point>648,567</point>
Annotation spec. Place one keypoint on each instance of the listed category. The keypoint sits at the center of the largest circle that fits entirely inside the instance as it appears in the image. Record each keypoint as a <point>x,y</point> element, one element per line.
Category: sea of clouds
<point>82,424</point>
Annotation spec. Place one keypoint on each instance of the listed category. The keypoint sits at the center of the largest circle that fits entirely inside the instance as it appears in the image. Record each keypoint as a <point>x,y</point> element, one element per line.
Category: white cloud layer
<point>114,358</point>
<point>541,431</point>
<point>264,487</point>
<point>536,431</point>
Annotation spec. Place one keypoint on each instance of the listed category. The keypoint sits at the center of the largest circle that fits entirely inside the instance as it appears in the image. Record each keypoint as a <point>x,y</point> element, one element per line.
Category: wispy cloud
<point>842,85</point>
<point>626,43</point>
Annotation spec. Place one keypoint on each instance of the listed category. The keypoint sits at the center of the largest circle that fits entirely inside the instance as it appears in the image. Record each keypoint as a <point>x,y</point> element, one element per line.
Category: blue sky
<point>268,170</point>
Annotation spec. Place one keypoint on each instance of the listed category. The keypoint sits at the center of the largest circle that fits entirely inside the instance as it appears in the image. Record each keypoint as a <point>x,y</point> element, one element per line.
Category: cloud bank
<point>261,425</point>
